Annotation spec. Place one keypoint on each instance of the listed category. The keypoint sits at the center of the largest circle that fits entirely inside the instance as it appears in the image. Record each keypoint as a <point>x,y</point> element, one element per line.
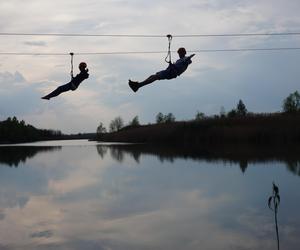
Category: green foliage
<point>101,129</point>
<point>275,198</point>
<point>258,129</point>
<point>232,113</point>
<point>116,124</point>
<point>291,104</point>
<point>161,118</point>
<point>135,122</point>
<point>12,131</point>
<point>169,118</point>
<point>199,116</point>
<point>241,109</point>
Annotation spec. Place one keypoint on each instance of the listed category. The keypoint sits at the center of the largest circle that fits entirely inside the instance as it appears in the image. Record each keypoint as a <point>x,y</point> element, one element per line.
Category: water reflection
<point>242,155</point>
<point>294,166</point>
<point>138,197</point>
<point>13,156</point>
<point>102,150</point>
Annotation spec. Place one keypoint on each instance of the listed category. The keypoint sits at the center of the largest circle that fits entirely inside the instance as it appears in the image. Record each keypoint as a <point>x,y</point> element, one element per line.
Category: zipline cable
<point>149,52</point>
<point>150,36</point>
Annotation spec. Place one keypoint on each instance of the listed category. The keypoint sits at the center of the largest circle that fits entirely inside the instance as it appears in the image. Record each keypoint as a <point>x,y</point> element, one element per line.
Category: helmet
<point>181,51</point>
<point>82,65</point>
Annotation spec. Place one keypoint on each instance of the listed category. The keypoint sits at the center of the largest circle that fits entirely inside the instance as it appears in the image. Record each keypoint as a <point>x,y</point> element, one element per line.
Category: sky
<point>214,80</point>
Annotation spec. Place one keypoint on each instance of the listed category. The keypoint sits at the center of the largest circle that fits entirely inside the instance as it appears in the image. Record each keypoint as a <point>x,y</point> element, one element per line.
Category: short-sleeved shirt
<point>182,64</point>
<point>175,69</point>
<point>78,79</point>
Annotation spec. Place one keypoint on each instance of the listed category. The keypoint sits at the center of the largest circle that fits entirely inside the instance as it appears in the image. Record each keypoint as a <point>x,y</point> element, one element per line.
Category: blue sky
<point>261,79</point>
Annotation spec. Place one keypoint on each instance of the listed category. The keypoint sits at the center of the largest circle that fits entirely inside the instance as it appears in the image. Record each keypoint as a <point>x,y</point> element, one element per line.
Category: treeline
<point>14,131</point>
<point>236,126</point>
<point>254,129</point>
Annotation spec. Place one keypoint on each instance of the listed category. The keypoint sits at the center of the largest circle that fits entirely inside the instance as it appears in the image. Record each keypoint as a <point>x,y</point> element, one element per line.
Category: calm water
<point>80,195</point>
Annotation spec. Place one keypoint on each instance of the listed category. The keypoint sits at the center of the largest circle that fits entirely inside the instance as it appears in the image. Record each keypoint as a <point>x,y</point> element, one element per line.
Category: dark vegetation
<point>13,156</point>
<point>243,155</point>
<point>14,131</point>
<point>235,127</point>
<point>253,129</point>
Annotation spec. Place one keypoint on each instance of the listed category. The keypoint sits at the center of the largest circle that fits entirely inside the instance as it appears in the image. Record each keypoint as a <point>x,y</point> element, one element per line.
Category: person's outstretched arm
<point>189,58</point>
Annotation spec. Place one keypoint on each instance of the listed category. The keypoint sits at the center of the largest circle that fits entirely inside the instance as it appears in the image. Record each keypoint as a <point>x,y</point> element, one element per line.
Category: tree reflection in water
<point>243,155</point>
<point>14,155</point>
<point>102,150</point>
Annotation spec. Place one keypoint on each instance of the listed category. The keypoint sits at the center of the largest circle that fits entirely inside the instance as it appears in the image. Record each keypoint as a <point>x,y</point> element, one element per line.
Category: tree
<point>135,122</point>
<point>199,116</point>
<point>292,103</point>
<point>222,112</point>
<point>241,109</point>
<point>12,130</point>
<point>116,124</point>
<point>232,113</point>
<point>169,118</point>
<point>101,129</point>
<point>159,118</point>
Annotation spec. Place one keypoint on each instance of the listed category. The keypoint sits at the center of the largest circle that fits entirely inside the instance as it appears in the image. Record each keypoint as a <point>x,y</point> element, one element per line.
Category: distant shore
<point>14,131</point>
<point>269,129</point>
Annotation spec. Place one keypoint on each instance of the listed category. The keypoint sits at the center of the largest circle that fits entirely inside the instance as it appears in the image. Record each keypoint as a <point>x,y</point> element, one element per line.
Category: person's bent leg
<point>58,91</point>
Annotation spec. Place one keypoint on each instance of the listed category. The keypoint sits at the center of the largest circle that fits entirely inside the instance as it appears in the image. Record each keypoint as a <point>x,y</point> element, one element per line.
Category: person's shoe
<point>133,85</point>
<point>45,97</point>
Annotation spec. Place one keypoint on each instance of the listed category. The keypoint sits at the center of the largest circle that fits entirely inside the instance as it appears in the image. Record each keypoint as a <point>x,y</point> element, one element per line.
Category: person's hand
<point>192,55</point>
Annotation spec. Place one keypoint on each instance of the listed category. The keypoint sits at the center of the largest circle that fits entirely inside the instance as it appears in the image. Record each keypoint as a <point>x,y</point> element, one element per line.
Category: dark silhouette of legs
<point>58,91</point>
<point>149,80</point>
<point>136,85</point>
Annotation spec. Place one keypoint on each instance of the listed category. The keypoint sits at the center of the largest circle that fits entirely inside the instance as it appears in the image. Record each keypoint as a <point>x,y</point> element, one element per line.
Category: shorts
<point>73,86</point>
<point>167,74</point>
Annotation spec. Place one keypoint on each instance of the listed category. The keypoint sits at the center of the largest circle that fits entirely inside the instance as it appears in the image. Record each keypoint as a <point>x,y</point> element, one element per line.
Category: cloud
<point>7,79</point>
<point>17,96</point>
<point>42,234</point>
<point>35,43</point>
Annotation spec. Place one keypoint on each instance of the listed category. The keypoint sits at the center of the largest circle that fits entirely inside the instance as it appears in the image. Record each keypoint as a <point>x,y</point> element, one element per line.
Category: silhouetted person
<point>73,84</point>
<point>173,70</point>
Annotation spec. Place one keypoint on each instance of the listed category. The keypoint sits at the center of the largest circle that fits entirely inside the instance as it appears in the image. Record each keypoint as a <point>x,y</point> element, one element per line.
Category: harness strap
<point>168,57</point>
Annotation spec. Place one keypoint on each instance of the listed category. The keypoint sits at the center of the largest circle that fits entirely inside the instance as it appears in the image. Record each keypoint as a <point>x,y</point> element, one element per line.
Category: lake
<point>87,195</point>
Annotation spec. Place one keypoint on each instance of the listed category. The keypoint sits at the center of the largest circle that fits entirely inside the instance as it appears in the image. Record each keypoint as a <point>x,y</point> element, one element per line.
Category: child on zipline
<point>73,84</point>
<point>173,70</point>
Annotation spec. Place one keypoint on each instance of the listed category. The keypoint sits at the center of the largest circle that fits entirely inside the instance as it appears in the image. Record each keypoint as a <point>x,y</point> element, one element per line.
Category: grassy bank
<point>252,129</point>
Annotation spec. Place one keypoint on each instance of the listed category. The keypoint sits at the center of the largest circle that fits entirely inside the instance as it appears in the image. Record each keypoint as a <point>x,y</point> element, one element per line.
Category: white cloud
<point>35,43</point>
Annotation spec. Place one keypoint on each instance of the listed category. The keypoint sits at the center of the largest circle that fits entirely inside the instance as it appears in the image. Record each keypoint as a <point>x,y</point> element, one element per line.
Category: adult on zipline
<point>73,84</point>
<point>171,72</point>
